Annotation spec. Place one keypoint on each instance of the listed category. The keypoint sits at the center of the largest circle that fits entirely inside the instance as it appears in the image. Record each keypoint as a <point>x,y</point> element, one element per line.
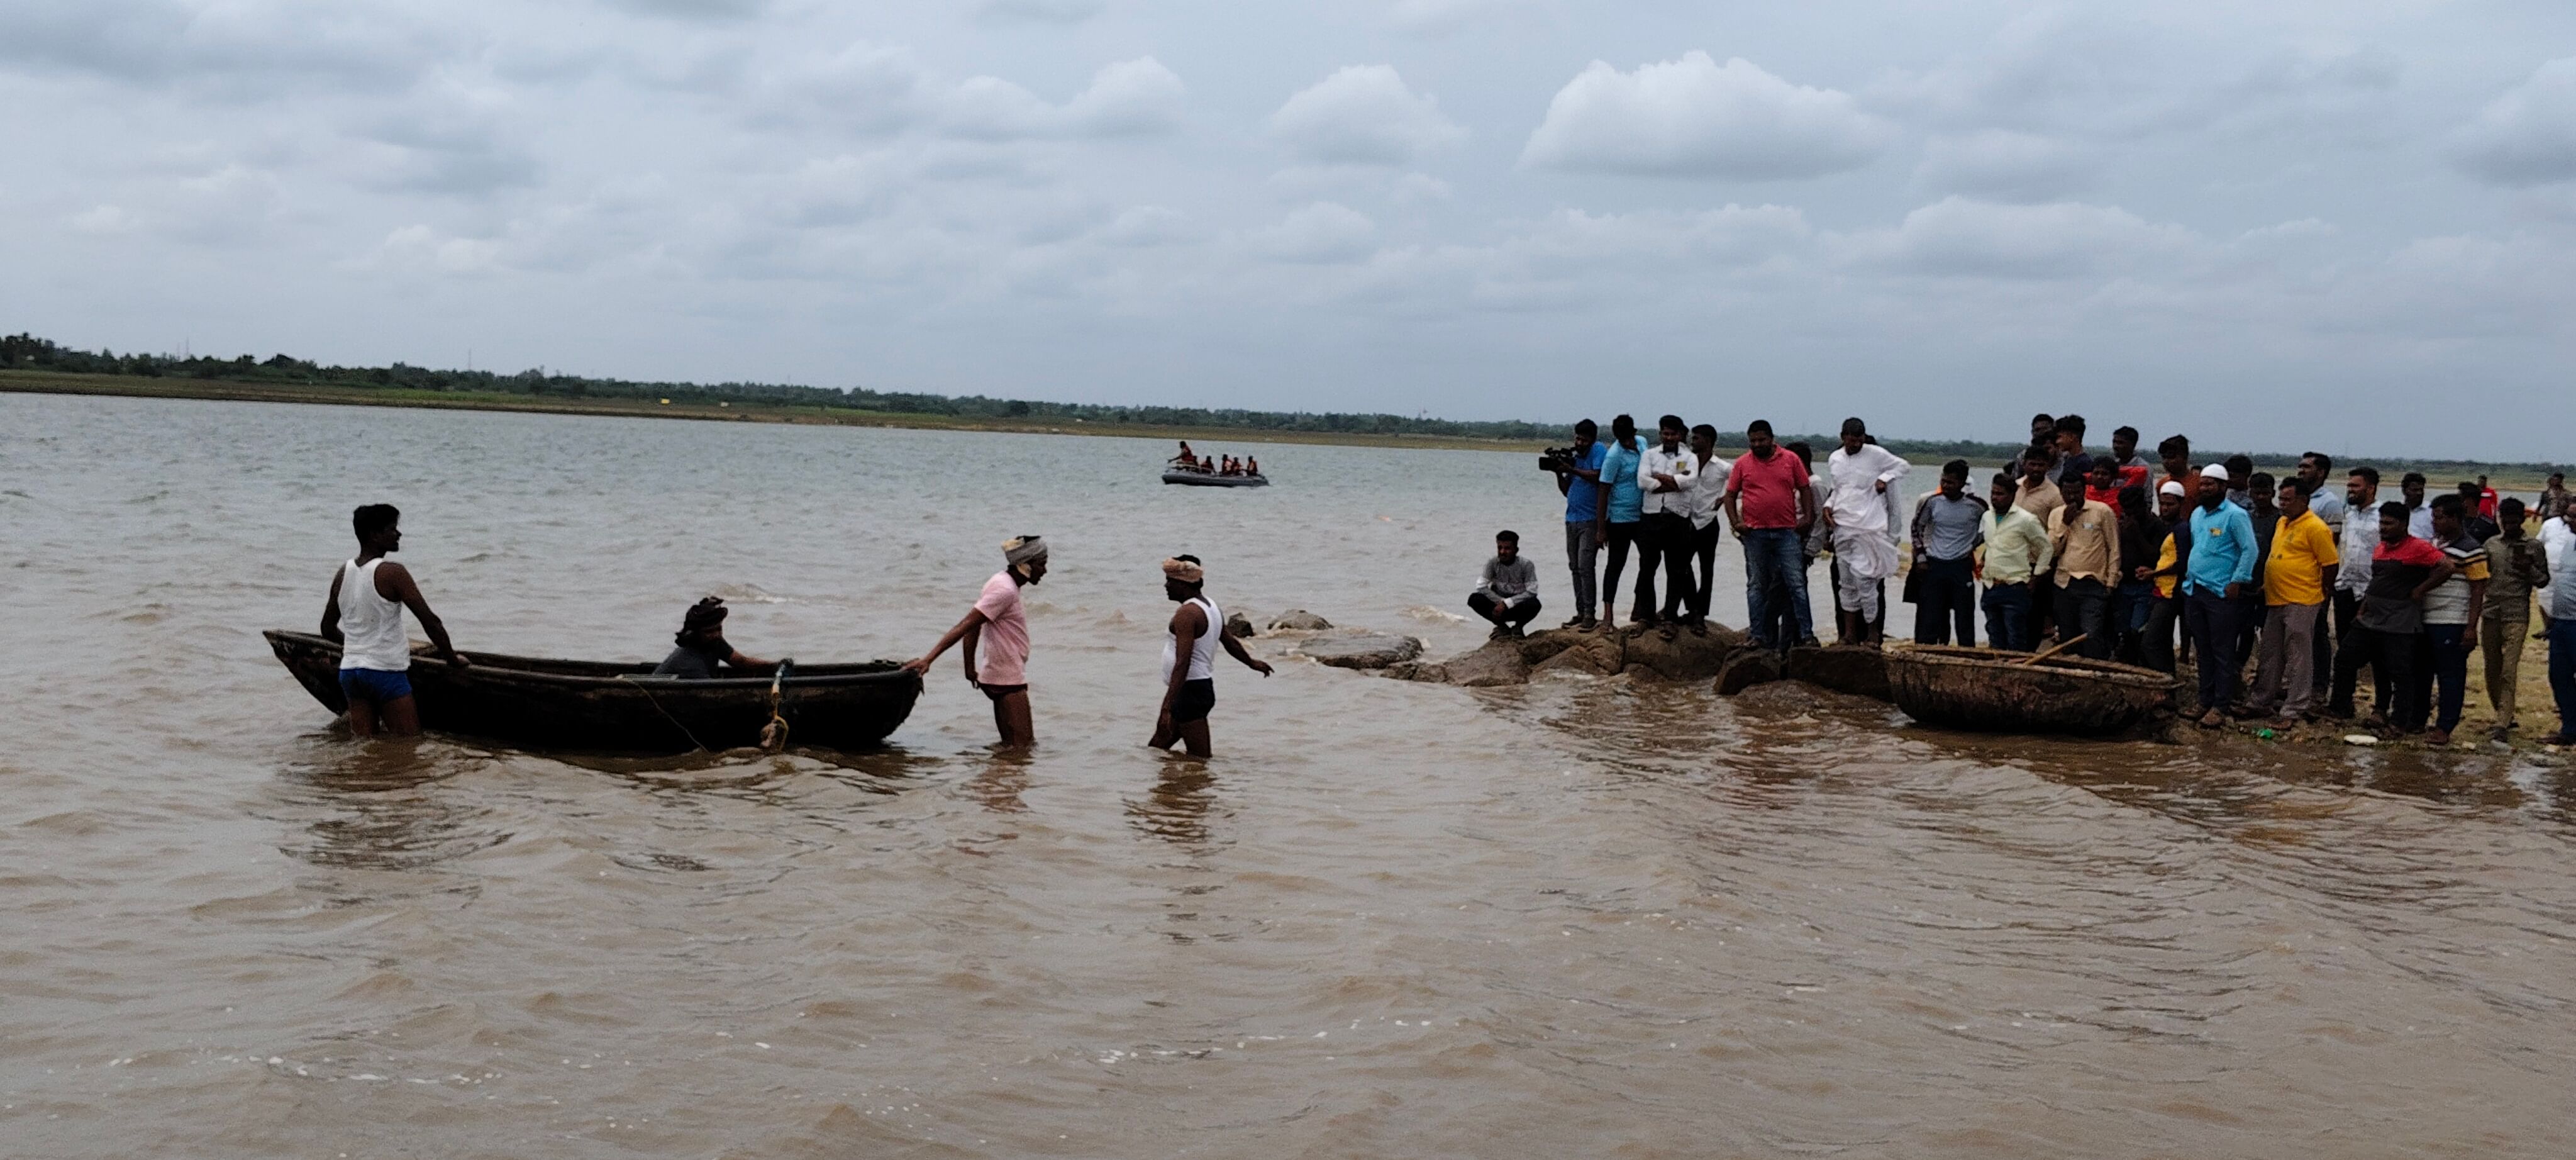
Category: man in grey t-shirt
<point>1508,592</point>
<point>1948,525</point>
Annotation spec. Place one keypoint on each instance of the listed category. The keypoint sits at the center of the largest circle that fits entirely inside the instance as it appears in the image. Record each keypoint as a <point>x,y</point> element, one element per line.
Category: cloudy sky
<point>2347,224</point>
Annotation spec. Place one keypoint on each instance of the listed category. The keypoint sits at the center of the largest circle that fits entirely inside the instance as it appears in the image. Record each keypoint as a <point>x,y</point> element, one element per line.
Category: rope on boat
<point>773,736</point>
<point>666,714</point>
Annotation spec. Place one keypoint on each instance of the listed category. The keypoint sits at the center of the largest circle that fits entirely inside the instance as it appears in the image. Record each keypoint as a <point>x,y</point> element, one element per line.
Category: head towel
<point>1021,551</point>
<point>1184,571</point>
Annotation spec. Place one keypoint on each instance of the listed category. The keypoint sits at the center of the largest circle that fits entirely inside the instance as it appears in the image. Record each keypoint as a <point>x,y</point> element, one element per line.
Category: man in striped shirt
<point>2449,609</point>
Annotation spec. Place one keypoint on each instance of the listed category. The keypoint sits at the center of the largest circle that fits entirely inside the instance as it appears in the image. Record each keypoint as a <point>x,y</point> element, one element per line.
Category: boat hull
<point>618,708</point>
<point>1987,690</point>
<point>1202,479</point>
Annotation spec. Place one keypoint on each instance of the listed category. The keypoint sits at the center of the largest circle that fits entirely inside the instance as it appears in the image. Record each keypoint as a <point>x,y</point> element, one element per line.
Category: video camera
<point>1557,459</point>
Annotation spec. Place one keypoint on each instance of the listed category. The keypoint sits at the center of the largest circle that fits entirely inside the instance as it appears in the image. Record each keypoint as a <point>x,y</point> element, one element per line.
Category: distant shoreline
<point>124,386</point>
<point>2442,474</point>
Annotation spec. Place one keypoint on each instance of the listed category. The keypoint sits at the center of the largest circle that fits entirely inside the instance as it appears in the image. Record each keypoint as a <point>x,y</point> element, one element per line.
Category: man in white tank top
<point>364,617</point>
<point>1189,659</point>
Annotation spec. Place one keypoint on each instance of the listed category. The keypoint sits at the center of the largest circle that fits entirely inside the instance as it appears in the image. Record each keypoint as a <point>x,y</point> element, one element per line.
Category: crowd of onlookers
<point>2306,579</point>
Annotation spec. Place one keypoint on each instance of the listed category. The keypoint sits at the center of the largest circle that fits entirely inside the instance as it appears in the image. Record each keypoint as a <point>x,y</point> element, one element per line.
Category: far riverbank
<point>2508,478</point>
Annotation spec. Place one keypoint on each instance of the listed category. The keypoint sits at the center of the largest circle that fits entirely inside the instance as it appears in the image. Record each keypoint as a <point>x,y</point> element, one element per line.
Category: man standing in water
<point>1189,659</point>
<point>1004,677</point>
<point>364,617</point>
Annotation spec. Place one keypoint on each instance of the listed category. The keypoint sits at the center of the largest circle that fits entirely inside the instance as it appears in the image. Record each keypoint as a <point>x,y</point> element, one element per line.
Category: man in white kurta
<point>1858,478</point>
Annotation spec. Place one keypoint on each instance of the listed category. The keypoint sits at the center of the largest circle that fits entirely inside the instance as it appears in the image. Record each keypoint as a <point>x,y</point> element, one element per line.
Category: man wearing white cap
<point>1001,629</point>
<point>2213,587</point>
<point>2164,571</point>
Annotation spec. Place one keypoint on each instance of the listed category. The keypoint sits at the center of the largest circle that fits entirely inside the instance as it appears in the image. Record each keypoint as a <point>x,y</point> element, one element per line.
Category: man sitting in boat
<point>1251,465</point>
<point>702,646</point>
<point>1186,458</point>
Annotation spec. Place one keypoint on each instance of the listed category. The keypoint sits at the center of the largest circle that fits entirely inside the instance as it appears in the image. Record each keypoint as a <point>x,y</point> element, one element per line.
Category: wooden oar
<point>2053,650</point>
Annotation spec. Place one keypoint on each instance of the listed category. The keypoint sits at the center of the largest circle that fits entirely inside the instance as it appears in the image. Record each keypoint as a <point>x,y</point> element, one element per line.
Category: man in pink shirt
<point>1001,630</point>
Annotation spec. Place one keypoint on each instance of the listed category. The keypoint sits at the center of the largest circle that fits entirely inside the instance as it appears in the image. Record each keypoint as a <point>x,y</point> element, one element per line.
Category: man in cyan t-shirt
<point>1622,512</point>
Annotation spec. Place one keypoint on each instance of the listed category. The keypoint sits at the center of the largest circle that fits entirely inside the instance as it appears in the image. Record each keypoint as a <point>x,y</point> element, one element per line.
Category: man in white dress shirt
<point>1665,475</point>
<point>1857,511</point>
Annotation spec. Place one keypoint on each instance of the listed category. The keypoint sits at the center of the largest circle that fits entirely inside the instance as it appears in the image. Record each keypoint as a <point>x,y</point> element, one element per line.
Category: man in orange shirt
<point>2297,574</point>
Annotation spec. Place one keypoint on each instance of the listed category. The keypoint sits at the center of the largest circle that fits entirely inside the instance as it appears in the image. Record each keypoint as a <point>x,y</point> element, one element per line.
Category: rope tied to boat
<point>773,736</point>
<point>649,699</point>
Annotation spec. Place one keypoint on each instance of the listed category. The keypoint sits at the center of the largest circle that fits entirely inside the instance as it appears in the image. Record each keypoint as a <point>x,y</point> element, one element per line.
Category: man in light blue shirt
<point>2221,564</point>
<point>1621,513</point>
<point>1579,477</point>
<point>2558,604</point>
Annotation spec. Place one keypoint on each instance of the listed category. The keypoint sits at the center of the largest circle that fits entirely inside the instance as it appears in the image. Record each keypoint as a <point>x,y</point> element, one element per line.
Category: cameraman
<point>1578,475</point>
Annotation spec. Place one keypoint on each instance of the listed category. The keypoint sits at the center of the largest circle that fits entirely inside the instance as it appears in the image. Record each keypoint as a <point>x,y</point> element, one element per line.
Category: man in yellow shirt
<point>2296,577</point>
<point>2084,539</point>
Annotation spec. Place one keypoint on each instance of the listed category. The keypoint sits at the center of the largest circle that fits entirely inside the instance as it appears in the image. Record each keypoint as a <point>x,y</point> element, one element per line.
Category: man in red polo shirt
<point>1769,504</point>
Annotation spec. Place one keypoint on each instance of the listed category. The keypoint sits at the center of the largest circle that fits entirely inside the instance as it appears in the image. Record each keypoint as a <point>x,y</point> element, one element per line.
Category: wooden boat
<point>1993,691</point>
<point>1212,479</point>
<point>607,706</point>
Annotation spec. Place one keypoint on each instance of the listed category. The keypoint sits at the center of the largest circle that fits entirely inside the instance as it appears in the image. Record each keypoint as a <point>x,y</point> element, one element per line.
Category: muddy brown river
<point>1582,918</point>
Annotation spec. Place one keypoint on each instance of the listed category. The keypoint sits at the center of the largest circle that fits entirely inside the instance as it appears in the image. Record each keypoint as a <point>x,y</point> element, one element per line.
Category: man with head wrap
<point>702,646</point>
<point>1189,658</point>
<point>1000,629</point>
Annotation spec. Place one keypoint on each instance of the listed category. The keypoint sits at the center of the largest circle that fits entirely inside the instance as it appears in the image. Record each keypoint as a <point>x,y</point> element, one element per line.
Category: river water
<point>1584,917</point>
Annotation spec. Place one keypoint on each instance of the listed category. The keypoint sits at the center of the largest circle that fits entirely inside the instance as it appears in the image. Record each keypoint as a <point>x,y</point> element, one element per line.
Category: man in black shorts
<point>1189,659</point>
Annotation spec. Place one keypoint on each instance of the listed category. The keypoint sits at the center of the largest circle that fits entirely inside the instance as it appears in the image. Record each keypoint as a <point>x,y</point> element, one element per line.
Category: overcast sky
<point>2347,224</point>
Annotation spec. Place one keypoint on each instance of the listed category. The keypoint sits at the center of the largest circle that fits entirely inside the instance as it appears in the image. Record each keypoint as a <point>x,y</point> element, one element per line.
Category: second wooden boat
<point>1211,479</point>
<point>1995,691</point>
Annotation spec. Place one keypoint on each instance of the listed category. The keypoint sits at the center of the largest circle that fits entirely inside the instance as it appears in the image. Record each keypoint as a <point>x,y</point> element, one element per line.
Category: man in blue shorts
<point>364,617</point>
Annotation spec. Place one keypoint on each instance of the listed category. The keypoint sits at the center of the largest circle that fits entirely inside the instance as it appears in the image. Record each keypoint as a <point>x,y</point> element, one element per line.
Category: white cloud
<point>707,10</point>
<point>102,221</point>
<point>247,51</point>
<point>1363,114</point>
<point>2003,165</point>
<point>1038,11</point>
<point>876,90</point>
<point>2123,75</point>
<point>1146,227</point>
<point>2528,135</point>
<point>1441,17</point>
<point>1418,188</point>
<point>1324,231</point>
<point>864,88</point>
<point>1696,118</point>
<point>418,248</point>
<point>1956,237</point>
